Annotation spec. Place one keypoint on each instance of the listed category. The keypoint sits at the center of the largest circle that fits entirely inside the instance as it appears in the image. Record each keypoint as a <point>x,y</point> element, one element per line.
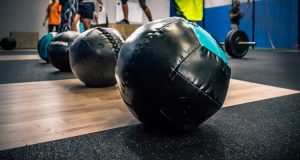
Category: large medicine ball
<point>172,74</point>
<point>58,50</point>
<point>93,56</point>
<point>43,45</point>
<point>8,43</point>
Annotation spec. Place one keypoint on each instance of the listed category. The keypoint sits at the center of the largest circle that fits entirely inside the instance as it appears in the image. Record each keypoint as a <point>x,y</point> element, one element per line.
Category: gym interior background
<point>49,114</point>
<point>275,21</point>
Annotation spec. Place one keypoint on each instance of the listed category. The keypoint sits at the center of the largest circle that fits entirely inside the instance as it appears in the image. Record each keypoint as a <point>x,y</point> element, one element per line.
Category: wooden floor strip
<point>241,92</point>
<point>36,112</point>
<point>18,57</point>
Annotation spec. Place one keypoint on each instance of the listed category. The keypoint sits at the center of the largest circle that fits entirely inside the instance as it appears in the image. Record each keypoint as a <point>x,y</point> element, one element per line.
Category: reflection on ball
<point>172,73</point>
<point>58,50</point>
<point>93,56</point>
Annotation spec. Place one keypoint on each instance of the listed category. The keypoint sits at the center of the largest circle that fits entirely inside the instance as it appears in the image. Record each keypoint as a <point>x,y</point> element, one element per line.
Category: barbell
<point>237,43</point>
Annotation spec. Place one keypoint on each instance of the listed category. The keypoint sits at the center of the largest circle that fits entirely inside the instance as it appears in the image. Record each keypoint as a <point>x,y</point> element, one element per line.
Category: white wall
<point>159,8</point>
<point>28,15</point>
<point>22,16</point>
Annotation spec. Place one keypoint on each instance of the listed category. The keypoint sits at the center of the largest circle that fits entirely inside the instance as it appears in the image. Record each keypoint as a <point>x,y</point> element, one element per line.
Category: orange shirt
<point>54,11</point>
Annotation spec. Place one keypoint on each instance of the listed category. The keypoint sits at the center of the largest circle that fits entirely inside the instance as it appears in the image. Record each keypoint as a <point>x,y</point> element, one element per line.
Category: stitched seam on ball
<point>178,65</point>
<point>175,71</point>
<point>100,30</point>
<point>172,74</point>
<point>141,46</point>
<point>195,86</point>
<point>112,41</point>
<point>115,41</point>
<point>103,33</point>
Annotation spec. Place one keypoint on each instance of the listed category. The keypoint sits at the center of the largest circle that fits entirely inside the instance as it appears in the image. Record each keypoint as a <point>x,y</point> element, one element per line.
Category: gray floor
<point>268,129</point>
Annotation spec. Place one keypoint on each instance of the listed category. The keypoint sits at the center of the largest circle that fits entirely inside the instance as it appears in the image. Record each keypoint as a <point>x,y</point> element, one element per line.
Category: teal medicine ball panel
<point>43,45</point>
<point>206,40</point>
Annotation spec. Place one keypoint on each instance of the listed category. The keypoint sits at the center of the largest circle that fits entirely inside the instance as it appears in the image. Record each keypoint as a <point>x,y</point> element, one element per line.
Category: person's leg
<point>146,9</point>
<point>125,12</point>
<point>69,10</point>
<point>77,16</point>
<point>87,23</point>
<point>72,12</point>
<point>50,28</point>
<point>56,28</point>
<point>148,14</point>
<point>87,14</point>
<point>75,21</point>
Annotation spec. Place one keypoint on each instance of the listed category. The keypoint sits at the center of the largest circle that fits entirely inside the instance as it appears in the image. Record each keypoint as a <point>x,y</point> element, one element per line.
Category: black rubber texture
<point>262,130</point>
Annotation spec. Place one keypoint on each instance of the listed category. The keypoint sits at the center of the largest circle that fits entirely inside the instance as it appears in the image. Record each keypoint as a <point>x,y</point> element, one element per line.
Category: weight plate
<point>233,48</point>
<point>227,46</point>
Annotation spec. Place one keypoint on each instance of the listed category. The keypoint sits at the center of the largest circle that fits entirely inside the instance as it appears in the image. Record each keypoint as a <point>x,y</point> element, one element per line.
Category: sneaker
<point>124,21</point>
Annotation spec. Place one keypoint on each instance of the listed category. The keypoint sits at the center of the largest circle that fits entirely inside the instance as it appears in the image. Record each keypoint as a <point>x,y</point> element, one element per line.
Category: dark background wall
<point>275,22</point>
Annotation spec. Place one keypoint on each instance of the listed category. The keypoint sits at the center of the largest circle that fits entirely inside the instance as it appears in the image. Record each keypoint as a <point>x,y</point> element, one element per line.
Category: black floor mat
<point>272,67</point>
<point>30,71</point>
<point>261,130</point>
<point>261,66</point>
<point>268,129</point>
<point>18,52</point>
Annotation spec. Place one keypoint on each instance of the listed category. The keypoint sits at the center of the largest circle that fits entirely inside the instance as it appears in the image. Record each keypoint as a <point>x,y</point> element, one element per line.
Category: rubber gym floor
<point>47,114</point>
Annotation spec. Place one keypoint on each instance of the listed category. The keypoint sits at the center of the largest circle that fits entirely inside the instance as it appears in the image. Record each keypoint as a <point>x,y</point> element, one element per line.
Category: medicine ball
<point>43,45</point>
<point>172,74</point>
<point>8,43</point>
<point>93,56</point>
<point>58,50</point>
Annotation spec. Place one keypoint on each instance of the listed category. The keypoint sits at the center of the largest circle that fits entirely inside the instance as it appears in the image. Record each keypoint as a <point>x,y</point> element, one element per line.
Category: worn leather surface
<point>94,55</point>
<point>167,79</point>
<point>58,50</point>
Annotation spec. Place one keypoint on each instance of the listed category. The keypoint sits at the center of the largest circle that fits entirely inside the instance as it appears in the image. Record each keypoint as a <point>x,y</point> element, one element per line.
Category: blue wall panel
<point>217,21</point>
<point>276,22</point>
<point>246,23</point>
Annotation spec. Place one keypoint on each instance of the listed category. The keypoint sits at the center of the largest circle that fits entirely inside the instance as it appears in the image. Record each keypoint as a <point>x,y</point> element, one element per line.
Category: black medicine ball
<point>58,50</point>
<point>8,43</point>
<point>93,56</point>
<point>172,74</point>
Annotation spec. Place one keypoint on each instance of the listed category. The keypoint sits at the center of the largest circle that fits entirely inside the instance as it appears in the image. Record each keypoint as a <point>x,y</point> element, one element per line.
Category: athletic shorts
<point>142,3</point>
<point>86,9</point>
<point>51,28</point>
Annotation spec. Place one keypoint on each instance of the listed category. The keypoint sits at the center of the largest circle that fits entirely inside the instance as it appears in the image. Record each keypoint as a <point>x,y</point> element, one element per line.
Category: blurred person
<point>125,11</point>
<point>69,10</point>
<point>85,13</point>
<point>235,15</point>
<point>191,10</point>
<point>53,12</point>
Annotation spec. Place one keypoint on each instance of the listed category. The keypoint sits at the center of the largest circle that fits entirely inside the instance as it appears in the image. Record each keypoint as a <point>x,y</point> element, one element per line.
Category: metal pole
<point>242,43</point>
<point>247,43</point>
<point>203,20</point>
<point>298,24</point>
<point>253,22</point>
